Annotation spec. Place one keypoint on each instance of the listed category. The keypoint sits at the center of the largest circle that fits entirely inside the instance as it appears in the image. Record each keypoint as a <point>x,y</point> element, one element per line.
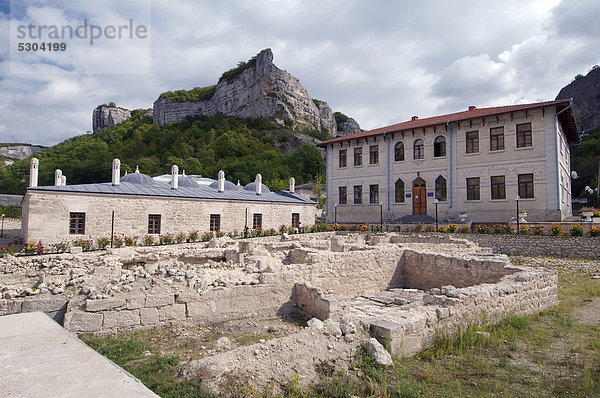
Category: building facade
<point>142,206</point>
<point>475,162</point>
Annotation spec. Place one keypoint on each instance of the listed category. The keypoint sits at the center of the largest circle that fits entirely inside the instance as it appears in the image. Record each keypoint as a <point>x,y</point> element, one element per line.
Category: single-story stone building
<point>137,205</point>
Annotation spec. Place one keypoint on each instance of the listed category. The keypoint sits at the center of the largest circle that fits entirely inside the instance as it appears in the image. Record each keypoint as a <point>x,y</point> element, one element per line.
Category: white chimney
<point>116,172</point>
<point>258,184</point>
<point>292,185</point>
<point>221,181</point>
<point>33,172</point>
<point>57,178</point>
<point>63,180</point>
<point>174,177</point>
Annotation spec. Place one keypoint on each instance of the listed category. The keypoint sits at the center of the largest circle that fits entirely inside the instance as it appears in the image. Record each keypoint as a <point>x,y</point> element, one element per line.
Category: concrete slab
<point>40,358</point>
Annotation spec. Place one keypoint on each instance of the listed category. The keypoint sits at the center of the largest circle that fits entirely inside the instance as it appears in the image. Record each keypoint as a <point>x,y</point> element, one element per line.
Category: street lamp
<point>335,214</point>
<point>2,231</point>
<point>518,214</point>
<point>112,228</point>
<point>436,215</point>
<point>589,191</point>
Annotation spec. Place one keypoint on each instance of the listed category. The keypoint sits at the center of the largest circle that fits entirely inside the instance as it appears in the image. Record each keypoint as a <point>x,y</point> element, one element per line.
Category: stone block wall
<point>427,270</point>
<point>526,245</point>
<point>522,293</point>
<point>150,311</point>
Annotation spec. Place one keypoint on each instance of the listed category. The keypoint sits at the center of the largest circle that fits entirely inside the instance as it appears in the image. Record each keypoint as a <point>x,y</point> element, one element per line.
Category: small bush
<point>181,237</point>
<point>524,230</point>
<point>482,229</point>
<point>86,245</point>
<point>452,227</point>
<point>102,242</point>
<point>538,230</point>
<point>498,228</point>
<point>130,240</point>
<point>149,240</point>
<point>576,230</point>
<point>193,235</point>
<point>556,230</point>
<point>594,231</point>
<point>464,229</point>
<point>166,239</point>
<point>117,241</point>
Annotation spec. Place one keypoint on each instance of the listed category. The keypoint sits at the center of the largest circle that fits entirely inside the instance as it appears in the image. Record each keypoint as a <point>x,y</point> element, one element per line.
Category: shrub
<point>181,237</point>
<point>102,242</point>
<point>594,231</point>
<point>417,228</point>
<point>482,229</point>
<point>538,230</point>
<point>40,248</point>
<point>193,235</point>
<point>207,236</point>
<point>509,229</point>
<point>464,229</point>
<point>556,230</point>
<point>166,239</point>
<point>364,228</point>
<point>130,240</point>
<point>149,240</point>
<point>452,227</point>
<point>524,230</point>
<point>60,247</point>
<point>86,245</point>
<point>576,230</point>
<point>430,228</point>
<point>498,228</point>
<point>30,248</point>
<point>117,241</point>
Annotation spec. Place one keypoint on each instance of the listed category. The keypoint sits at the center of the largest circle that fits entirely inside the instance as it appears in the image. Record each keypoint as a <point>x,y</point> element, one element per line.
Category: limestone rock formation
<point>585,91</point>
<point>107,116</point>
<point>255,89</point>
<point>345,125</point>
<point>19,151</point>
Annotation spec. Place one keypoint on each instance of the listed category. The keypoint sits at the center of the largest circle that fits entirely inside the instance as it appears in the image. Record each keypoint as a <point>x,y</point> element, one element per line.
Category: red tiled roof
<point>567,119</point>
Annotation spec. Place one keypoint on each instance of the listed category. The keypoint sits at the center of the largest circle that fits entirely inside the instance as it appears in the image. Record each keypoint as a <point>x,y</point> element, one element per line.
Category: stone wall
<point>421,270</point>
<point>526,245</point>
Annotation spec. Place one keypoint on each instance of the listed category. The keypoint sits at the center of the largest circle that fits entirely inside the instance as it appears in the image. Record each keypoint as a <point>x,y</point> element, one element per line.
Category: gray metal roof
<point>164,190</point>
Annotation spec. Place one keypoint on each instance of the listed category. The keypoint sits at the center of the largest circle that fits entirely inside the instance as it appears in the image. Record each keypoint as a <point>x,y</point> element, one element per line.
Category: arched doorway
<point>419,195</point>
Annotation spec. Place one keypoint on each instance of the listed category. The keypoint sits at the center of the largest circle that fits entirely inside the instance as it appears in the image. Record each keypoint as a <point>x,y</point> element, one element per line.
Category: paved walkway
<point>38,358</point>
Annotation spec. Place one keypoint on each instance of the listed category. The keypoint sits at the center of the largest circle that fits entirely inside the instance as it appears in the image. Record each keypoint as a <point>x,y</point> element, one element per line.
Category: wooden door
<point>419,195</point>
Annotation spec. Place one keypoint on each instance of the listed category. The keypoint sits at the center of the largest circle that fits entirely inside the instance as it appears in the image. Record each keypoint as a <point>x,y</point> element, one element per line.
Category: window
<point>526,186</point>
<point>295,220</point>
<point>342,195</point>
<point>257,221</point>
<point>343,161</point>
<point>215,222</point>
<point>498,188</point>
<point>418,150</point>
<point>399,191</point>
<point>497,139</point>
<point>358,194</point>
<point>441,192</point>
<point>439,147</point>
<point>358,156</point>
<point>472,141</point>
<point>154,223</point>
<point>77,223</point>
<point>374,154</point>
<point>374,194</point>
<point>399,152</point>
<point>473,188</point>
<point>524,135</point>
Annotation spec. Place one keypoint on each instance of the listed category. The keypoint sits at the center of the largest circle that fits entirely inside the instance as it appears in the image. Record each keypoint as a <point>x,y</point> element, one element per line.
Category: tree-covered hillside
<point>584,160</point>
<point>202,145</point>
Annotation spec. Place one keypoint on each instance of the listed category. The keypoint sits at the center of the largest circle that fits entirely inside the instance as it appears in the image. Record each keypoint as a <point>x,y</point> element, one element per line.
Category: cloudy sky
<point>379,62</point>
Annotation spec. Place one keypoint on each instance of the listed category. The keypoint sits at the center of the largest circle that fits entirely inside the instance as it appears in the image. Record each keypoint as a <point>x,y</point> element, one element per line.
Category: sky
<point>380,61</point>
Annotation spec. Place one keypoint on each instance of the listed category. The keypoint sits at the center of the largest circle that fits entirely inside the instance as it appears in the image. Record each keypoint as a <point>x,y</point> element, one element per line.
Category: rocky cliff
<point>254,89</point>
<point>106,116</point>
<point>585,91</point>
<point>19,151</point>
<point>345,125</point>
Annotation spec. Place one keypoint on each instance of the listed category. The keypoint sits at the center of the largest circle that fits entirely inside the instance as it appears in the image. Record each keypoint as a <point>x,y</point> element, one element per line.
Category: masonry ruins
<point>402,289</point>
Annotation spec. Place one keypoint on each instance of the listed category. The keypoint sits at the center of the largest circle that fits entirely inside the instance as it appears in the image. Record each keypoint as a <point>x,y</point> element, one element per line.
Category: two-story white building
<point>477,162</point>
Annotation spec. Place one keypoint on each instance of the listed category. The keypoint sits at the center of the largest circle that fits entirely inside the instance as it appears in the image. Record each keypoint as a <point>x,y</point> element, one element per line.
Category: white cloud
<point>379,62</point>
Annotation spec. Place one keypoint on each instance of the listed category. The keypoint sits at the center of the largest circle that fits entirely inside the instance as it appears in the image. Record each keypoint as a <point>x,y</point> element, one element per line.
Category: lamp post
<point>2,231</point>
<point>436,215</point>
<point>587,190</point>
<point>518,214</point>
<point>335,214</point>
<point>112,228</point>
